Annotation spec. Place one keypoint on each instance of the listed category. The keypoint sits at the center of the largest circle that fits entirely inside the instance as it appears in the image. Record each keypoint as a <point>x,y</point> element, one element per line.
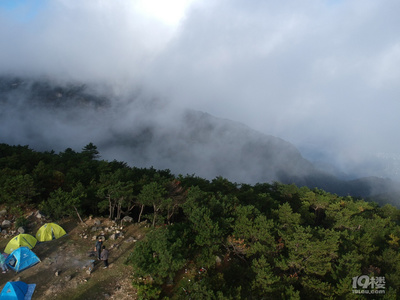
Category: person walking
<point>104,257</point>
<point>98,246</point>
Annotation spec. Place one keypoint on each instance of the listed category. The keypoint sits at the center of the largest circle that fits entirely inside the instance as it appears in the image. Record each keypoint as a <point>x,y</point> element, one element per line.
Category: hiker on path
<point>3,263</point>
<point>104,257</point>
<point>98,246</point>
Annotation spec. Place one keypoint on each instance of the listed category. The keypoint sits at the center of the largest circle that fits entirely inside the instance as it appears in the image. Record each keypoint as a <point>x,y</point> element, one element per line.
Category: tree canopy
<point>216,239</point>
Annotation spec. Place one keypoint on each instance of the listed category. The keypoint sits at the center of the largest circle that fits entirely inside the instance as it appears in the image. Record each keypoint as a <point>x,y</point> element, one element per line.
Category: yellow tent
<point>20,240</point>
<point>49,231</point>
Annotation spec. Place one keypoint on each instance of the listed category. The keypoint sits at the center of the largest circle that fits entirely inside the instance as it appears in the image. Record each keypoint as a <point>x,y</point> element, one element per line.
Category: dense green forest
<point>215,239</point>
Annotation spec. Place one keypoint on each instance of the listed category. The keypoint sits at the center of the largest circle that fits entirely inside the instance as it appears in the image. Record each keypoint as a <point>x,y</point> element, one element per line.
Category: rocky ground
<point>68,267</point>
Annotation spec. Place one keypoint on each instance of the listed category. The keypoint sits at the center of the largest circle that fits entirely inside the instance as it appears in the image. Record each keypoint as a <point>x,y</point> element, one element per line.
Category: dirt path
<point>63,272</point>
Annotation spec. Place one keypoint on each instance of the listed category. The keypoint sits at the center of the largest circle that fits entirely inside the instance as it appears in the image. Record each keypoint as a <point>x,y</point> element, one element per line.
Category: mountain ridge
<point>141,131</point>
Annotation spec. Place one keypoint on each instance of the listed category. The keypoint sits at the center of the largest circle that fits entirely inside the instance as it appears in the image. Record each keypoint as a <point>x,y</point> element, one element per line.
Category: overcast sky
<point>321,74</point>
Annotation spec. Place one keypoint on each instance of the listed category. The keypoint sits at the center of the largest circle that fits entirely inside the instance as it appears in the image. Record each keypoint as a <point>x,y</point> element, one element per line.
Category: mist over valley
<point>250,91</point>
<point>147,132</point>
<point>219,149</point>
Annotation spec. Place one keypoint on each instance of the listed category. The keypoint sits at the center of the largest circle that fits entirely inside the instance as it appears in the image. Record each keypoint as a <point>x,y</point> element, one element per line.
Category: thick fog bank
<point>146,131</point>
<point>141,130</point>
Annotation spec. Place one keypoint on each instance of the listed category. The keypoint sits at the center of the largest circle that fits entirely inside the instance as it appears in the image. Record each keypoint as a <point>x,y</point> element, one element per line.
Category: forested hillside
<point>144,131</point>
<point>216,239</point>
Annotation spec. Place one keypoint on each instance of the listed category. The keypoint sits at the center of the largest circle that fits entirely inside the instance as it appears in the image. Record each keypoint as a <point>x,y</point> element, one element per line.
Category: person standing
<point>104,257</point>
<point>3,263</point>
<point>98,246</point>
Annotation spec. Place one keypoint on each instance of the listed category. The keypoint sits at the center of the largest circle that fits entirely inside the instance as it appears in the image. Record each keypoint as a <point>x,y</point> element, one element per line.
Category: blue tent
<point>14,290</point>
<point>21,259</point>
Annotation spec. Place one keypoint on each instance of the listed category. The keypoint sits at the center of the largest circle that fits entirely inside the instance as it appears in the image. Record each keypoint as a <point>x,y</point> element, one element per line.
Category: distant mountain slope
<point>207,146</point>
<point>145,132</point>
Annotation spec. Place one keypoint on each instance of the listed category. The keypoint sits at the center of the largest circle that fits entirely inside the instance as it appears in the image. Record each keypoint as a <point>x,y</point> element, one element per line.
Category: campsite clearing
<point>68,270</point>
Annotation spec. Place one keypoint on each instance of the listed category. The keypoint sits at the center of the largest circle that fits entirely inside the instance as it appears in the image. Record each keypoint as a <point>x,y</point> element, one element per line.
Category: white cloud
<point>313,72</point>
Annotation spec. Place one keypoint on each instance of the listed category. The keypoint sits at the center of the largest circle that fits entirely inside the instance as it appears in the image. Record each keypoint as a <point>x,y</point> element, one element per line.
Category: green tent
<point>20,240</point>
<point>49,231</point>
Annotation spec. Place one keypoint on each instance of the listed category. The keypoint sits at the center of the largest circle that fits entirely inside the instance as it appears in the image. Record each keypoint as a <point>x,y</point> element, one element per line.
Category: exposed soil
<point>69,269</point>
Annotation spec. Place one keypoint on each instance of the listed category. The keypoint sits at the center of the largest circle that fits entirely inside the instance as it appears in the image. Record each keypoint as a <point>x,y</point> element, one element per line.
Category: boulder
<point>39,215</point>
<point>130,240</point>
<point>6,224</point>
<point>218,259</point>
<point>127,219</point>
<point>114,236</point>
